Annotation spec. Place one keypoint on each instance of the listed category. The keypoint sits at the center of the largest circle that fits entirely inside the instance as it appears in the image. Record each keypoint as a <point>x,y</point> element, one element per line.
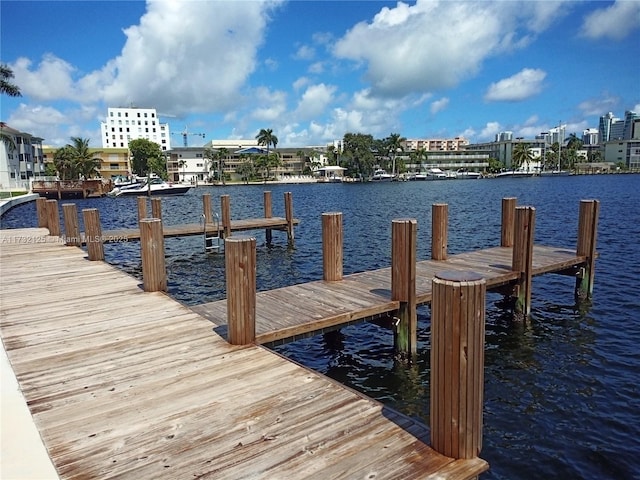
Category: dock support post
<point>154,272</point>
<point>439,231</point>
<point>268,213</point>
<point>587,233</point>
<point>403,285</point>
<point>156,208</point>
<point>71,229</point>
<point>508,216</point>
<point>53,218</point>
<point>142,208</point>
<point>240,272</point>
<point>41,211</point>
<point>522,259</point>
<point>332,243</point>
<point>93,233</point>
<point>225,206</point>
<point>288,209</point>
<point>206,208</point>
<point>457,363</point>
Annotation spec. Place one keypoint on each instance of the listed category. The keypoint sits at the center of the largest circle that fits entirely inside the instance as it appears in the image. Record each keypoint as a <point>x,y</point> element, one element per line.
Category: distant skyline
<point>314,70</point>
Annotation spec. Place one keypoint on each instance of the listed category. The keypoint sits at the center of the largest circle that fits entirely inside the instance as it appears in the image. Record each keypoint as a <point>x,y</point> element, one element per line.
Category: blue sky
<point>315,70</point>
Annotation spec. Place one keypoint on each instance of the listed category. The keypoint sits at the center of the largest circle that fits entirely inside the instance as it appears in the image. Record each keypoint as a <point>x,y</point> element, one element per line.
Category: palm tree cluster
<point>76,160</point>
<point>271,160</point>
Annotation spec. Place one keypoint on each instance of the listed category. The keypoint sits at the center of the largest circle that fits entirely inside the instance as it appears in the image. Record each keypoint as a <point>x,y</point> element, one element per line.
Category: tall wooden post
<point>53,218</point>
<point>41,211</point>
<point>522,258</point>
<point>154,272</point>
<point>142,208</point>
<point>439,231</point>
<point>288,209</point>
<point>332,243</point>
<point>156,208</point>
<point>240,272</point>
<point>93,233</point>
<point>508,216</point>
<point>206,208</point>
<point>457,363</point>
<point>587,233</point>
<point>71,229</point>
<point>403,284</point>
<point>268,213</point>
<point>225,206</point>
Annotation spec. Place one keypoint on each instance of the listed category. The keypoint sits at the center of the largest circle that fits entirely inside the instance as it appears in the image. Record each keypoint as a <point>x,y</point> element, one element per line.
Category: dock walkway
<point>318,306</point>
<point>130,384</point>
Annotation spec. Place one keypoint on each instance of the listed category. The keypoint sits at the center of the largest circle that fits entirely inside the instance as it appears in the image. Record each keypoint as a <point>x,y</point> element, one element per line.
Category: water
<point>562,394</point>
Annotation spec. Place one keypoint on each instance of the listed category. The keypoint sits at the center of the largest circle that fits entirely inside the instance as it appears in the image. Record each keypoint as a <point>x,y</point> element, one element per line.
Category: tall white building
<point>126,124</point>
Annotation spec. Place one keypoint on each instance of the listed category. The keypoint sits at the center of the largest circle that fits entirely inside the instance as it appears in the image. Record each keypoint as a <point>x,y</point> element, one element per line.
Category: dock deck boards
<point>123,383</point>
<point>128,234</point>
<point>317,306</point>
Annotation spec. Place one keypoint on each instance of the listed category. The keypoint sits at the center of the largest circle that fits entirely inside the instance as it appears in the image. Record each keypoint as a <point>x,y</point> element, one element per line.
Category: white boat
<point>436,174</point>
<point>418,176</point>
<point>467,175</point>
<point>156,187</point>
<point>515,174</point>
<point>381,176</point>
<point>554,173</point>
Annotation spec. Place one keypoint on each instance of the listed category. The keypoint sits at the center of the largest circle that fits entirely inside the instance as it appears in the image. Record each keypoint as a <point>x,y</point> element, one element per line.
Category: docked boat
<point>436,174</point>
<point>467,175</point>
<point>381,176</point>
<point>516,174</point>
<point>155,187</point>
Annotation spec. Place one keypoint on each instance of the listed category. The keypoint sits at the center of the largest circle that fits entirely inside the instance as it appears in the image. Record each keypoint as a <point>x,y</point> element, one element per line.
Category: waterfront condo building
<point>125,124</point>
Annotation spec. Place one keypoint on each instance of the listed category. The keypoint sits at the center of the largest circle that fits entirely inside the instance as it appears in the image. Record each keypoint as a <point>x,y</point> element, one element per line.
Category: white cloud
<point>314,101</point>
<point>435,45</point>
<point>522,85</point>
<point>52,79</point>
<point>439,105</point>
<point>304,52</point>
<point>488,133</point>
<point>614,22</point>
<point>599,106</point>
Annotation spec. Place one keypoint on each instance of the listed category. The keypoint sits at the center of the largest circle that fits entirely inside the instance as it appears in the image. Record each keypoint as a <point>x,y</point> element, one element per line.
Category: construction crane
<point>185,133</point>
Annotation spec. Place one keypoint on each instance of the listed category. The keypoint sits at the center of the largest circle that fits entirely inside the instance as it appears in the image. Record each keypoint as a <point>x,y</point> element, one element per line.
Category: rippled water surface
<point>562,395</point>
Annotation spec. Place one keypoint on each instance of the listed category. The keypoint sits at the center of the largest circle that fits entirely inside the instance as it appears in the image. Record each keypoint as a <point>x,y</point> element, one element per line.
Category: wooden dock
<point>320,306</point>
<point>130,384</point>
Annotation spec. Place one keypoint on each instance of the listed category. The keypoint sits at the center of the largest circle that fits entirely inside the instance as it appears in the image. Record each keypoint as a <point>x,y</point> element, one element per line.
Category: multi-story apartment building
<point>502,150</point>
<point>590,136</point>
<point>125,124</point>
<point>114,162</point>
<point>21,158</point>
<point>436,144</point>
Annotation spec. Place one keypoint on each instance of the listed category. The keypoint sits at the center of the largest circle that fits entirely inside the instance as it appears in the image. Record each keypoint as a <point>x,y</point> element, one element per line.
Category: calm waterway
<point>562,393</point>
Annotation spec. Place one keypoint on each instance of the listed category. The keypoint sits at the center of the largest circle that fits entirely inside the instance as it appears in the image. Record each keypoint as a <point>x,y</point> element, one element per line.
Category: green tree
<point>63,160</point>
<point>245,169</point>
<point>358,157</point>
<point>521,155</point>
<point>86,162</point>
<point>222,155</point>
<point>7,88</point>
<point>146,157</point>
<point>394,145</point>
<point>266,138</point>
<point>181,164</point>
<point>495,165</point>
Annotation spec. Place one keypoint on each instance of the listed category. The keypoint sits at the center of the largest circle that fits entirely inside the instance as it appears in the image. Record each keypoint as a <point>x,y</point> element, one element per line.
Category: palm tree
<point>6,87</point>
<point>86,162</point>
<point>6,138</point>
<point>63,160</point>
<point>394,144</point>
<point>521,155</point>
<point>222,154</point>
<point>181,164</point>
<point>266,138</point>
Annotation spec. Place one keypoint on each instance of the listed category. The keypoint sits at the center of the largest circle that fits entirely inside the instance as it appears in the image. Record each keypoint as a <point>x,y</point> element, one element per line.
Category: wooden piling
<point>522,258</point>
<point>403,284</point>
<point>240,272</point>
<point>288,209</point>
<point>268,213</point>
<point>41,211</point>
<point>225,206</point>
<point>457,363</point>
<point>207,210</point>
<point>439,231</point>
<point>142,208</point>
<point>71,229</point>
<point>156,208</point>
<point>154,272</point>
<point>332,244</point>
<point>508,216</point>
<point>587,233</point>
<point>93,233</point>
<point>53,218</point>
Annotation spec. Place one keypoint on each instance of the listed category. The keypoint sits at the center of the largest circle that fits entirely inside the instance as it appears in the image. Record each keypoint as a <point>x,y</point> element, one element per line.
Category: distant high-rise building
<point>436,144</point>
<point>630,120</point>
<point>604,127</point>
<point>504,136</point>
<point>126,124</point>
<point>590,136</point>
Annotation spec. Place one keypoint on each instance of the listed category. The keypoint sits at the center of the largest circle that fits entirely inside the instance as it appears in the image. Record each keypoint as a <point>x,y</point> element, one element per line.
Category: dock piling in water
<point>154,272</point>
<point>53,218</point>
<point>240,272</point>
<point>332,246</point>
<point>71,229</point>
<point>156,208</point>
<point>93,233</point>
<point>587,233</point>
<point>268,213</point>
<point>439,231</point>
<point>508,218</point>
<point>142,208</point>
<point>457,363</point>
<point>522,259</point>
<point>41,211</point>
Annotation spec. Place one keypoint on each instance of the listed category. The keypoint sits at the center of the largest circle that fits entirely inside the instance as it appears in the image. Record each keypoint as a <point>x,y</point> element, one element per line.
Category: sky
<point>312,71</point>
